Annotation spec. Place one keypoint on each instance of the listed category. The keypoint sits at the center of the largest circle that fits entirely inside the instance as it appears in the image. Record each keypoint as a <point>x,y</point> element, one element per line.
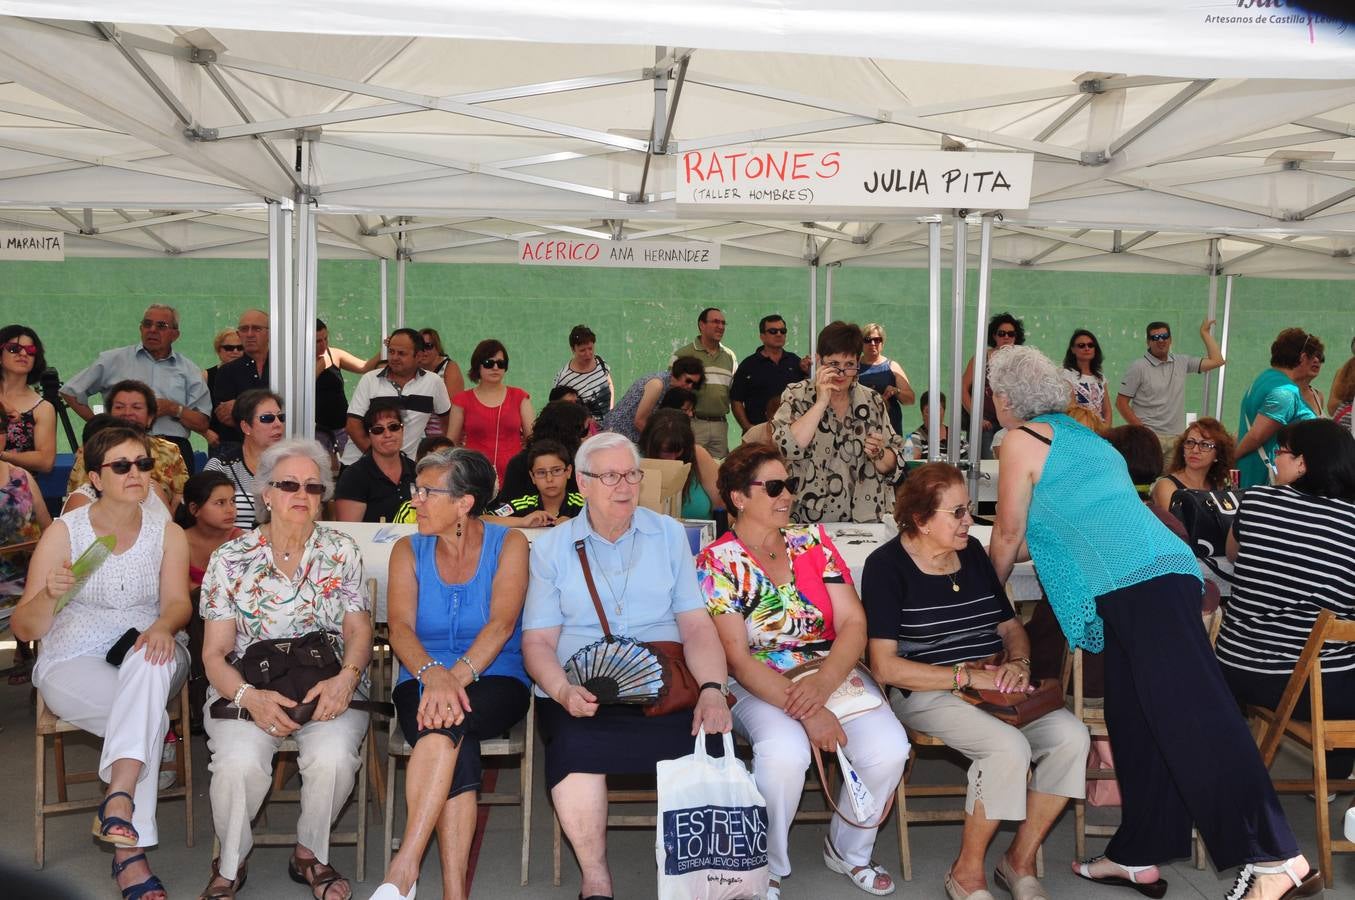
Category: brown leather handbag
<point>1014,708</point>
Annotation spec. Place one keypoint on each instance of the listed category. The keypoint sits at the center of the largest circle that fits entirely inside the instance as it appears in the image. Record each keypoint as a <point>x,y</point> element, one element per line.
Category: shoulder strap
<point>1035,434</point>
<point>1176,481</point>
<point>592,587</point>
<point>828,796</point>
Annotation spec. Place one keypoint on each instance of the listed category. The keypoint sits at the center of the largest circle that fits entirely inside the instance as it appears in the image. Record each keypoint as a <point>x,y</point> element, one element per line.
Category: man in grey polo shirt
<point>710,424</point>
<point>1153,392</point>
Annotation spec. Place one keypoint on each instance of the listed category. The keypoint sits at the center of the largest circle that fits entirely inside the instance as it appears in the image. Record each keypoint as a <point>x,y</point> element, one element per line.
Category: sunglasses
<point>959,512</point>
<point>875,340</point>
<point>123,466</point>
<point>426,345</point>
<point>158,324</point>
<point>495,364</point>
<point>1085,346</point>
<point>774,331</point>
<point>774,486</point>
<point>1005,332</point>
<point>267,418</point>
<point>14,348</point>
<point>1192,444</point>
<point>382,429</point>
<point>233,348</point>
<point>1160,337</point>
<point>291,486</point>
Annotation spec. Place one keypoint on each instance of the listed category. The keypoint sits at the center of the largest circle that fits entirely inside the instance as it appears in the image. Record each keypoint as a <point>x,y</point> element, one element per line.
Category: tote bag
<point>712,830</point>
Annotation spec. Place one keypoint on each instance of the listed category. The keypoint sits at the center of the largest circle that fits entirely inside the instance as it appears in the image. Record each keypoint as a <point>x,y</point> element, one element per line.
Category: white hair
<point>293,448</point>
<point>1029,381</point>
<point>600,443</point>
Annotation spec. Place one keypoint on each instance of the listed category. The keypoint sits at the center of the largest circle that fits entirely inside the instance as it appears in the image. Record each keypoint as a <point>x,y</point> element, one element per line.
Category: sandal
<point>863,877</point>
<point>1153,889</point>
<point>316,874</point>
<point>773,889</point>
<point>102,823</point>
<point>137,891</point>
<point>1310,885</point>
<point>224,891</point>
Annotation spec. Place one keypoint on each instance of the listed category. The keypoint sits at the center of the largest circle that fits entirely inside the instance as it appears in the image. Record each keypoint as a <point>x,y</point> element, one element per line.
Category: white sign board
<point>596,254</point>
<point>764,178</point>
<point>40,246</point>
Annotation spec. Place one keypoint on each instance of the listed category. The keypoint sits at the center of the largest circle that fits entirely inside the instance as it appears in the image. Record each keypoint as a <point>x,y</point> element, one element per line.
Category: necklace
<point>771,554</point>
<point>950,576</point>
<point>617,598</point>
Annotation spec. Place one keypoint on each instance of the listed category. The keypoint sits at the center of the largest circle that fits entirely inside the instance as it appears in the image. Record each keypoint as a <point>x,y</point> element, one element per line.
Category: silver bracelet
<point>475,673</point>
<point>240,692</point>
<point>418,676</point>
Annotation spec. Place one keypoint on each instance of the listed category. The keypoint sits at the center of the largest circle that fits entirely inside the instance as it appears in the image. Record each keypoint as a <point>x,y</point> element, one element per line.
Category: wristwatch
<point>716,686</point>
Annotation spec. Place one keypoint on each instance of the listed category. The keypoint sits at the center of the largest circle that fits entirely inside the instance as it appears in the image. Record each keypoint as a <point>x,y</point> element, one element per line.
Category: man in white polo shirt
<point>421,395</point>
<point>1153,392</point>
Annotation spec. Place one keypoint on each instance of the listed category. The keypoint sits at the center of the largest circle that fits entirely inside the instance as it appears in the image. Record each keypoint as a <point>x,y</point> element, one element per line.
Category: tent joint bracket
<point>1092,86</point>
<point>1094,158</point>
<point>202,56</point>
<point>201,133</point>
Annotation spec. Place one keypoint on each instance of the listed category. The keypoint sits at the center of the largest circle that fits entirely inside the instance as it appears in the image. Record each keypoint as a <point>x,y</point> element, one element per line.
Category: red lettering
<point>591,251</point>
<point>755,167</point>
<point>527,251</point>
<point>561,249</point>
<point>830,160</point>
<point>773,167</point>
<point>797,167</point>
<point>715,169</point>
<point>691,161</point>
<point>733,160</point>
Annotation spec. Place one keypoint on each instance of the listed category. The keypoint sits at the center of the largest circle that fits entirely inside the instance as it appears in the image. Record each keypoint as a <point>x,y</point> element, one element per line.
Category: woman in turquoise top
<point>1120,581</point>
<point>455,608</point>
<point>1274,400</point>
<point>668,435</point>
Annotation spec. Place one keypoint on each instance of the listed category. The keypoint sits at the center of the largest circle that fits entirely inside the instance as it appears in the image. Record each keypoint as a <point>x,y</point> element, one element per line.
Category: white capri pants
<point>1056,744</point>
<point>242,772</point>
<point>124,705</point>
<point>877,746</point>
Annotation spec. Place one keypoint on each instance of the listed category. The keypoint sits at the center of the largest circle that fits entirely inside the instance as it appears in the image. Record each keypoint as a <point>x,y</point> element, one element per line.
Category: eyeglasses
<point>267,418</point>
<point>427,345</point>
<point>158,324</point>
<point>382,429</point>
<point>774,486</point>
<point>773,331</point>
<point>1005,332</point>
<point>959,512</point>
<point>1161,336</point>
<point>1193,444</point>
<point>612,479</point>
<point>14,348</point>
<point>421,492</point>
<point>233,348</point>
<point>123,466</point>
<point>495,364</point>
<point>554,472</point>
<point>291,486</point>
<point>1084,346</point>
<point>875,340</point>
<point>848,369</point>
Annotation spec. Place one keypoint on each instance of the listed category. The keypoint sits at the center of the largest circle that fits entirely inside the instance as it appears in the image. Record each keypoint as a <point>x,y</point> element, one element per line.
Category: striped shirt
<point>1294,560</point>
<point>930,620</point>
<point>712,401</point>
<point>592,387</point>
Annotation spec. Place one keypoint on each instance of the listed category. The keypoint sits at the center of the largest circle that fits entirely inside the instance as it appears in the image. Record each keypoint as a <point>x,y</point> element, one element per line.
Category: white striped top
<point>1296,557</point>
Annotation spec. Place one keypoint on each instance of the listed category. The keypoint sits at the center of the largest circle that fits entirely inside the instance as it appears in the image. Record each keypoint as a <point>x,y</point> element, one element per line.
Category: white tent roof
<point>1153,130</point>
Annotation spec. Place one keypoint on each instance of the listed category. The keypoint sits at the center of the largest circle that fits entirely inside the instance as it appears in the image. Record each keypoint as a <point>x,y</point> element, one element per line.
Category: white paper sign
<point>618,254</point>
<point>846,177</point>
<point>41,246</point>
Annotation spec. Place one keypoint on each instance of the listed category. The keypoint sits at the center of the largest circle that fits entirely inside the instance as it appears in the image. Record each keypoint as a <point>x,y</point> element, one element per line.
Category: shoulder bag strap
<point>1035,434</point>
<point>1181,485</point>
<point>592,588</point>
<point>832,803</point>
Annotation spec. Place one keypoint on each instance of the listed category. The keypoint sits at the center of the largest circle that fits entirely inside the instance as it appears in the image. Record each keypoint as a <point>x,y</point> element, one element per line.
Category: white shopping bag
<point>712,832</point>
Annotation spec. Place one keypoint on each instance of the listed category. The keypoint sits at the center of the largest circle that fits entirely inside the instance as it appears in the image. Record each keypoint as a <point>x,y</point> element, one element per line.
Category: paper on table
<point>85,566</point>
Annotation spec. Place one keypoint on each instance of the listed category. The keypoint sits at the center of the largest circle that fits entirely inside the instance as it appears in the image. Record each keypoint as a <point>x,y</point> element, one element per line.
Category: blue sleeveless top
<point>1089,533</point>
<point>450,616</point>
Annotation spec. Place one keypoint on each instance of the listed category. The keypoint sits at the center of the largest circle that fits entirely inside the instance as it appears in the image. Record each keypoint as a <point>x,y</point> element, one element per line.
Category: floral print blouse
<point>783,620</point>
<point>243,585</point>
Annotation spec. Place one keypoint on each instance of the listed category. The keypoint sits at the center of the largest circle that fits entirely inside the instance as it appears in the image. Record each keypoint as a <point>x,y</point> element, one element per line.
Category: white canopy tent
<point>1164,141</point>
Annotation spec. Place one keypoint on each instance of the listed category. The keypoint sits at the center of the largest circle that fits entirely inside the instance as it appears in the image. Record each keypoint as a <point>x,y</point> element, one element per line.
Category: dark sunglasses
<point>158,324</point>
<point>774,331</point>
<point>774,486</point>
<point>1160,336</point>
<point>875,340</point>
<point>382,429</point>
<point>426,345</point>
<point>1005,332</point>
<point>495,364</point>
<point>291,486</point>
<point>123,466</point>
<point>1085,346</point>
<point>267,418</point>
<point>15,348</point>
<point>233,348</point>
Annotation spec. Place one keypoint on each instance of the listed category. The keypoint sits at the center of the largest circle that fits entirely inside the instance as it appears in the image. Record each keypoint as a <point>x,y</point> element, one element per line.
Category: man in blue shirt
<point>765,373</point>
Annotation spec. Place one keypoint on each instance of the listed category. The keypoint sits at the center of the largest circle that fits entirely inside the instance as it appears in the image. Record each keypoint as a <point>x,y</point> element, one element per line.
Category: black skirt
<point>619,740</point>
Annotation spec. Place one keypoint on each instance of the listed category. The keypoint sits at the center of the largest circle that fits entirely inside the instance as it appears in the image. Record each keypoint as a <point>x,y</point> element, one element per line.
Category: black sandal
<point>102,823</point>
<point>316,874</point>
<point>137,891</point>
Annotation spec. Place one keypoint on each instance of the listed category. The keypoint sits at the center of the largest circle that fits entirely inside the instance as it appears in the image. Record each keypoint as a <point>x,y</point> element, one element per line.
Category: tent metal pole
<point>400,291</point>
<point>934,333</point>
<point>828,294</point>
<point>813,313</point>
<point>958,272</point>
<point>980,359</point>
<point>280,285</point>
<point>1223,343</point>
<point>1211,313</point>
<point>385,307</point>
<point>305,350</point>
<point>300,324</point>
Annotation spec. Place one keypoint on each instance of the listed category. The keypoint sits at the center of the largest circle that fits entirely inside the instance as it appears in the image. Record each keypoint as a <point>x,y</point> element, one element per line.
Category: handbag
<point>291,667</point>
<point>680,690</point>
<point>1207,517</point>
<point>1014,708</point>
<point>850,699</point>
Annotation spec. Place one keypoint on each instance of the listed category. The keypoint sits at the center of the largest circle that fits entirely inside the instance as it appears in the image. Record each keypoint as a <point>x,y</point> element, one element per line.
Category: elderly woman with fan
<point>617,570</point>
<point>455,610</point>
<point>783,603</point>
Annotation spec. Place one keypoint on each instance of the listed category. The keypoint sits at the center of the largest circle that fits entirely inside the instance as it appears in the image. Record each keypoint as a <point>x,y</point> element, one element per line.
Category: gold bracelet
<point>356,670</point>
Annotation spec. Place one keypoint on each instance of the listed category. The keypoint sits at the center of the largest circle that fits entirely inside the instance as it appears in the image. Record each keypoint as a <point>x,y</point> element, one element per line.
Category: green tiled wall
<point>85,305</point>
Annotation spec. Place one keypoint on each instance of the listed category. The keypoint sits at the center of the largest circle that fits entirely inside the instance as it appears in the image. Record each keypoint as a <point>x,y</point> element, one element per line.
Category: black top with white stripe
<point>930,621</point>
<point>1294,560</point>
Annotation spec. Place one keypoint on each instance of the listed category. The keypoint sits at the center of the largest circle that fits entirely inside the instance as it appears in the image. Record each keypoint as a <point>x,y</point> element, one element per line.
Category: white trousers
<point>242,772</point>
<point>877,746</point>
<point>124,705</point>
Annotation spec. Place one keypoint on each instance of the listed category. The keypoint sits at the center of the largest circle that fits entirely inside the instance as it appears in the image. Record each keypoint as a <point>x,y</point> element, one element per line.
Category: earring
<point>926,531</point>
<point>458,529</point>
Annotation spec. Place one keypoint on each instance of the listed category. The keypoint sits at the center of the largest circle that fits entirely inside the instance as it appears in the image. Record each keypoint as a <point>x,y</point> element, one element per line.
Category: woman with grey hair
<point>645,579</point>
<point>288,578</point>
<point>455,610</point>
<point>1120,582</point>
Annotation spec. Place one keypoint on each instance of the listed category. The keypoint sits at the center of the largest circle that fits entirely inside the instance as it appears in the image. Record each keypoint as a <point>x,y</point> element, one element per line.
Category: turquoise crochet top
<point>1089,533</point>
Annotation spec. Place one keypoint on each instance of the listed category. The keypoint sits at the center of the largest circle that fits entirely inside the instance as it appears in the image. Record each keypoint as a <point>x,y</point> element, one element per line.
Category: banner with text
<point>618,254</point>
<point>39,246</point>
<point>845,178</point>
